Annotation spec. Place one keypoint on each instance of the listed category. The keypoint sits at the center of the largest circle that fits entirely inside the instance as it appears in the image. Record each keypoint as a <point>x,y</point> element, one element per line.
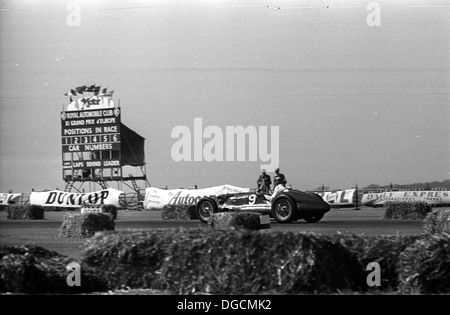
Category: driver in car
<point>279,188</point>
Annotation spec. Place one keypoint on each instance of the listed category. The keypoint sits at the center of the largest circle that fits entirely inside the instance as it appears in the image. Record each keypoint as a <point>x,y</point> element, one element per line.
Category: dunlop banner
<point>338,198</point>
<point>6,199</point>
<point>427,196</point>
<point>57,198</point>
<point>156,198</point>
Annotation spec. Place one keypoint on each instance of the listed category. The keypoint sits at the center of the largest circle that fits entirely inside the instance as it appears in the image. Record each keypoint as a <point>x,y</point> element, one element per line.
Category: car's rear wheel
<point>284,210</point>
<point>205,208</point>
<point>313,218</point>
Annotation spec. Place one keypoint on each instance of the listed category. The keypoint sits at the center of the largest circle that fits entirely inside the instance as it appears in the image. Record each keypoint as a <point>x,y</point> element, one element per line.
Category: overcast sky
<point>354,104</point>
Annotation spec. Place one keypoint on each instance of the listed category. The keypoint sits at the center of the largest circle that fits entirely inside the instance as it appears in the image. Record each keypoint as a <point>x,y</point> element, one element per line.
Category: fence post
<point>357,198</point>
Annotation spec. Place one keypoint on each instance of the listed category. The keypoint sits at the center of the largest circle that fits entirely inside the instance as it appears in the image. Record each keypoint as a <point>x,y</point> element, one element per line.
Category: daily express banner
<point>57,198</point>
<point>6,199</point>
<point>156,198</point>
<point>427,196</point>
<point>338,198</point>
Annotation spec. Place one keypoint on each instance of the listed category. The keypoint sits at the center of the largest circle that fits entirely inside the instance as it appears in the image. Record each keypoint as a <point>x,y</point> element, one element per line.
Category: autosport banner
<point>156,198</point>
<point>427,196</point>
<point>339,198</point>
<point>6,199</point>
<point>57,198</point>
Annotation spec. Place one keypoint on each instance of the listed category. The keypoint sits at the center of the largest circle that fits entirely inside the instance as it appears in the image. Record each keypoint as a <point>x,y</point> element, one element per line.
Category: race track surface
<point>45,232</point>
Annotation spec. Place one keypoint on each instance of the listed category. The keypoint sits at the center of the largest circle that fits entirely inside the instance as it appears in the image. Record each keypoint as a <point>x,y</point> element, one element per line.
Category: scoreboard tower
<point>96,145</point>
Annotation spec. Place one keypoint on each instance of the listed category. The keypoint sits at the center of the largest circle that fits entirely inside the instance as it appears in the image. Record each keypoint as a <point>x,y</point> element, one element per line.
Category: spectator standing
<point>264,182</point>
<point>279,178</point>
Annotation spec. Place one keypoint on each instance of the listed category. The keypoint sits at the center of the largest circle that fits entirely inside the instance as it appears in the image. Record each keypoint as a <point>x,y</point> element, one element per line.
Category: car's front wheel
<point>205,208</point>
<point>284,210</point>
<point>313,218</point>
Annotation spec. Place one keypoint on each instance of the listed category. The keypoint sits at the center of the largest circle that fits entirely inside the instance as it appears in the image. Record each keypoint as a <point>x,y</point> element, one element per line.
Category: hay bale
<point>241,262</point>
<point>438,221</point>
<point>424,267</point>
<point>382,249</point>
<point>221,220</point>
<point>95,208</point>
<point>407,210</point>
<point>33,269</point>
<point>27,249</point>
<point>129,258</point>
<point>25,212</point>
<point>237,220</point>
<point>85,225</point>
<point>171,212</point>
<point>188,261</point>
<point>112,210</point>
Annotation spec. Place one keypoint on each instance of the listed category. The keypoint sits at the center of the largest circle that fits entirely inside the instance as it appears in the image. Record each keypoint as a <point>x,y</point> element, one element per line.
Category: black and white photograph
<point>225,155</point>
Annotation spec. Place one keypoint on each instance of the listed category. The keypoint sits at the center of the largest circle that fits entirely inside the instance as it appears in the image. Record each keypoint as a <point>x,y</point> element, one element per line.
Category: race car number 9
<point>252,199</point>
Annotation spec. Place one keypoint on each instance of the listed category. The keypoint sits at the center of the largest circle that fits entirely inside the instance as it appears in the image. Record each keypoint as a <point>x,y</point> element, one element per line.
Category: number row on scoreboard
<point>90,139</point>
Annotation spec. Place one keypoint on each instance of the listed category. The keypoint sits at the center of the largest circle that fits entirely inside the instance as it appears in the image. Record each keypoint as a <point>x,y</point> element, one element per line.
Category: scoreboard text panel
<point>91,131</point>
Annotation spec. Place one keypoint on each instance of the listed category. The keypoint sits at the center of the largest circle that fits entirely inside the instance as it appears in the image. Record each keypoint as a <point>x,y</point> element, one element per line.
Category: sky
<point>353,103</point>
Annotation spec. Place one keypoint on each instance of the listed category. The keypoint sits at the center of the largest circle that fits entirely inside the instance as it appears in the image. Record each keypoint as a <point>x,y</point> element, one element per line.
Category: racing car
<point>290,205</point>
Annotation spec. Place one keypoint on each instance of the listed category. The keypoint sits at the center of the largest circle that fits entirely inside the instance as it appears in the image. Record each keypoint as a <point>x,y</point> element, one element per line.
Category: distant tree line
<point>421,186</point>
<point>418,186</point>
